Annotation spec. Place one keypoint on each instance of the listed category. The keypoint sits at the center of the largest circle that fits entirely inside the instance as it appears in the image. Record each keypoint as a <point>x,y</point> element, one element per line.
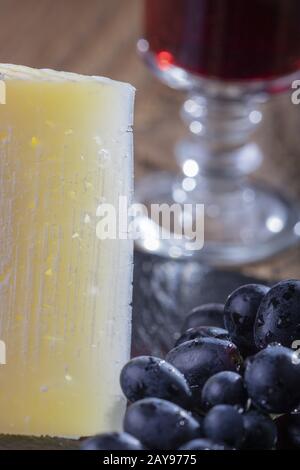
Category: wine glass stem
<point>220,143</point>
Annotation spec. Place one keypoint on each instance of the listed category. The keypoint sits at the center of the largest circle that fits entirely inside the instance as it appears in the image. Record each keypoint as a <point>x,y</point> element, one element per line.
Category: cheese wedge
<point>65,293</point>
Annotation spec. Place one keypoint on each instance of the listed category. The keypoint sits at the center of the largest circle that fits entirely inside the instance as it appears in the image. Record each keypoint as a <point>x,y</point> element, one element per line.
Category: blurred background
<point>99,37</point>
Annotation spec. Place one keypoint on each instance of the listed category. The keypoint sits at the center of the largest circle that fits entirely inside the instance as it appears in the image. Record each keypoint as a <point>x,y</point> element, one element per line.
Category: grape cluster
<point>230,374</point>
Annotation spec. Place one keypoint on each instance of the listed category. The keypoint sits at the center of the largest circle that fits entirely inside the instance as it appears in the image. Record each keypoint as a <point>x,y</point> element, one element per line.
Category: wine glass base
<point>242,224</point>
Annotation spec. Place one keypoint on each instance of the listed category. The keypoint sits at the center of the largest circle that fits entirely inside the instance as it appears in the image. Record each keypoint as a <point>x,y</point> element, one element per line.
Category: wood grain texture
<point>99,37</point>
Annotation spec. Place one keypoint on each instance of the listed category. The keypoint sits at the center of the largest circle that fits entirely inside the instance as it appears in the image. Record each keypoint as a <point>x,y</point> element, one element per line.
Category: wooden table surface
<point>99,37</point>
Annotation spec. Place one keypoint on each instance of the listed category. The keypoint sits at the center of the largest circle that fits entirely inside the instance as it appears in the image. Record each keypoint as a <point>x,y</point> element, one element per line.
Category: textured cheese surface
<point>22,72</point>
<point>65,149</point>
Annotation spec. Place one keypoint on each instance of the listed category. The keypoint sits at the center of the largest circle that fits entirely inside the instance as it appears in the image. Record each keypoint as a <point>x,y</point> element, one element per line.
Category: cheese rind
<point>65,148</point>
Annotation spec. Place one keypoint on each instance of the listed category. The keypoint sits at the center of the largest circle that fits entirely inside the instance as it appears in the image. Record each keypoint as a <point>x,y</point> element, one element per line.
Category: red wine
<point>226,39</point>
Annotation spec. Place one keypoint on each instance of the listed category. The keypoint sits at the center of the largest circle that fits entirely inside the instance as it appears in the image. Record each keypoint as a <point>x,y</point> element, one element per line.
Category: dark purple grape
<point>202,444</point>
<point>224,424</point>
<point>203,332</point>
<point>288,427</point>
<point>293,429</point>
<point>239,315</point>
<point>201,358</point>
<point>112,441</point>
<point>148,376</point>
<point>226,388</point>
<point>260,431</point>
<point>278,318</point>
<point>160,424</point>
<point>272,378</point>
<point>205,315</point>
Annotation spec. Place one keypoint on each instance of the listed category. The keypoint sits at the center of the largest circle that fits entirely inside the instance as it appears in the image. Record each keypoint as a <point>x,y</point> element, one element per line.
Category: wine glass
<point>229,56</point>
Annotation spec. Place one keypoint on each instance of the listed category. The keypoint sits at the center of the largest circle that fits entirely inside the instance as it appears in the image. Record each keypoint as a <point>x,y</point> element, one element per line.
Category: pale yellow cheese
<point>65,148</point>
